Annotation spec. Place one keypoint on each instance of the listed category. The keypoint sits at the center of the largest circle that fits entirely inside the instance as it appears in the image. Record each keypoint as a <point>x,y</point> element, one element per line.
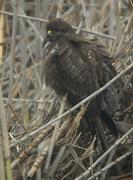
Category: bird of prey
<point>78,67</point>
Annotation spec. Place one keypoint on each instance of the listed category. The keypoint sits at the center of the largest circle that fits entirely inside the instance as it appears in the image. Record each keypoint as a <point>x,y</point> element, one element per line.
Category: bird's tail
<point>108,121</point>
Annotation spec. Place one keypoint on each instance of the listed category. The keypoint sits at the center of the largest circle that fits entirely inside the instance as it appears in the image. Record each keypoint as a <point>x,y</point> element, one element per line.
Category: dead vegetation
<point>40,138</point>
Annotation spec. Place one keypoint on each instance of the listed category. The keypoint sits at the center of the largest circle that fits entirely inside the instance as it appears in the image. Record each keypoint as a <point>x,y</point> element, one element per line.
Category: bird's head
<point>57,28</point>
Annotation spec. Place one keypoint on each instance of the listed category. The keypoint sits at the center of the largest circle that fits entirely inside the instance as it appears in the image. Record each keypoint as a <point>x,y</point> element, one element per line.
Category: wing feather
<point>78,76</point>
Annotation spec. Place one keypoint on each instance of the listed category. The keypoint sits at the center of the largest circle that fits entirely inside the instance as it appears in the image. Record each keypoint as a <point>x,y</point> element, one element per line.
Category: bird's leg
<point>101,134</point>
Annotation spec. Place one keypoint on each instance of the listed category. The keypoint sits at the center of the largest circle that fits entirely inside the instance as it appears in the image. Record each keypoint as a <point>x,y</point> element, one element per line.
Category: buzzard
<point>78,67</point>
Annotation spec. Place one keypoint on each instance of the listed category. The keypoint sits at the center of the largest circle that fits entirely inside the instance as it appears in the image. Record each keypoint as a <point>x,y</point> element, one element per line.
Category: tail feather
<point>107,119</point>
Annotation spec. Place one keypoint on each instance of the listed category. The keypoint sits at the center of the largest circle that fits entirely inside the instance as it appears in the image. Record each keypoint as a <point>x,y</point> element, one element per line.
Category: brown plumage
<point>79,67</point>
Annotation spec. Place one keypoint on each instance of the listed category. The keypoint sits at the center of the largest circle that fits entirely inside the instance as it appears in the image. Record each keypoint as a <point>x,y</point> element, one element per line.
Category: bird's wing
<point>104,72</point>
<point>101,54</point>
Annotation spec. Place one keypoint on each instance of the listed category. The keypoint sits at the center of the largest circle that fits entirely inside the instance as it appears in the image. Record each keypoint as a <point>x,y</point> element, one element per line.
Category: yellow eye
<point>49,32</point>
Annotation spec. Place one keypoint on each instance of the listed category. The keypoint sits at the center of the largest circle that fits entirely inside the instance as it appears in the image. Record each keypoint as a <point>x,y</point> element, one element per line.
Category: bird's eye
<point>49,32</point>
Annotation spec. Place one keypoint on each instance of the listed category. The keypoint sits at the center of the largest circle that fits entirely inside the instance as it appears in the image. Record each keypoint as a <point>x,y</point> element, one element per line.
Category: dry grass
<point>37,139</point>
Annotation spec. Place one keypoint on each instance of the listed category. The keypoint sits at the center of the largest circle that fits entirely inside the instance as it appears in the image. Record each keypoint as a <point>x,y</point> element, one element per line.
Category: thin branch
<point>117,18</point>
<point>20,100</point>
<point>24,16</point>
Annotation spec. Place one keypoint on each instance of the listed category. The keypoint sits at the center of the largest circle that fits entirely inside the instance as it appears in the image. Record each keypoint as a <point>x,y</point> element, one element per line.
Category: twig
<point>20,100</point>
<point>91,153</point>
<point>80,26</point>
<point>24,16</point>
<point>84,14</point>
<point>76,106</point>
<point>117,17</point>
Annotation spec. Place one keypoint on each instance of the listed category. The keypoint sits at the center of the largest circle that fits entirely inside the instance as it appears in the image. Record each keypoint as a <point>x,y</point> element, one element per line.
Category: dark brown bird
<point>77,67</point>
